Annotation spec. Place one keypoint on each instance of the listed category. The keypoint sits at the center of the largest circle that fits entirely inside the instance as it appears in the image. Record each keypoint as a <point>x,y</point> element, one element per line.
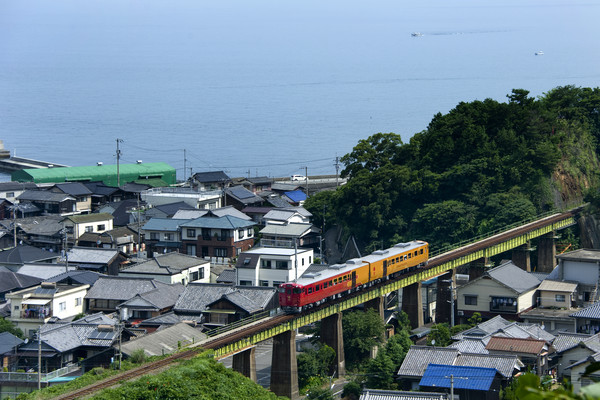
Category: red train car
<point>314,288</point>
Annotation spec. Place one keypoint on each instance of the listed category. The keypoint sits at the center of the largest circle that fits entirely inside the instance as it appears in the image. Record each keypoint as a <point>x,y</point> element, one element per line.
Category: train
<point>334,281</point>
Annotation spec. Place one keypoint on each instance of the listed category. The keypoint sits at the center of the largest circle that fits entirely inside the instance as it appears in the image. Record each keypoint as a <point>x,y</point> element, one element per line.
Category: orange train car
<point>315,288</point>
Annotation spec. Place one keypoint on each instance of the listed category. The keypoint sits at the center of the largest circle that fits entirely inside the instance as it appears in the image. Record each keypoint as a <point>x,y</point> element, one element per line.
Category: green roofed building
<point>153,174</point>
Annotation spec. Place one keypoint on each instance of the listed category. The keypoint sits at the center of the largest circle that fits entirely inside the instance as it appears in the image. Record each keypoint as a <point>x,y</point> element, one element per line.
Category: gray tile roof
<point>163,224</point>
<point>164,341</point>
<point>45,196</point>
<point>589,255</point>
<point>212,176</point>
<point>160,298</point>
<point>224,222</point>
<point>91,255</point>
<point>567,340</point>
<point>69,336</point>
<point>25,254</point>
<point>198,296</point>
<point>42,225</point>
<point>289,230</point>
<point>468,345</point>
<point>243,195</point>
<point>485,328</point>
<point>44,271</point>
<point>171,318</point>
<point>419,357</point>
<point>119,288</point>
<point>11,281</point>
<point>14,186</point>
<point>8,341</point>
<point>167,264</point>
<point>505,364</point>
<point>535,331</point>
<point>514,277</point>
<point>377,394</point>
<point>279,214</point>
<point>73,188</point>
<point>558,286</point>
<point>590,312</point>
<point>227,276</point>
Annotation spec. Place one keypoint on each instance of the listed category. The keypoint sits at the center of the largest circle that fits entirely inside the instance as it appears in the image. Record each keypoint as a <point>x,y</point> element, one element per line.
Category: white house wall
<point>582,272</point>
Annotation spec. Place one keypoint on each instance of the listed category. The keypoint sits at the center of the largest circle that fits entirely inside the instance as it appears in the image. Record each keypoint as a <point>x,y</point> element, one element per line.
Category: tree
<point>319,394</point>
<point>314,363</point>
<point>372,153</point>
<point>380,372</point>
<point>352,390</point>
<point>8,326</point>
<point>363,330</point>
<point>439,336</point>
<point>397,347</point>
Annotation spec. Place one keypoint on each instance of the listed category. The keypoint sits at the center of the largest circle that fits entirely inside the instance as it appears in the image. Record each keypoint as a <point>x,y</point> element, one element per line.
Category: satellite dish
<point>26,340</point>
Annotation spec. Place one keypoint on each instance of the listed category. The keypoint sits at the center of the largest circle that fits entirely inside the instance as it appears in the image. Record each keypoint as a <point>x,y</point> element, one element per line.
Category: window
<point>241,233</point>
<point>265,264</point>
<point>245,283</point>
<point>101,227</point>
<point>194,276</point>
<point>168,236</point>
<point>302,260</point>
<point>153,235</point>
<point>10,194</point>
<point>201,273</point>
<point>277,283</point>
<point>191,249</point>
<point>559,298</point>
<point>89,228</point>
<point>250,232</point>
<point>205,234</point>
<point>62,306</point>
<point>220,252</point>
<point>191,233</point>
<point>83,198</point>
<point>263,283</point>
<point>309,259</point>
<point>77,301</point>
<point>16,308</point>
<point>281,265</point>
<point>470,300</point>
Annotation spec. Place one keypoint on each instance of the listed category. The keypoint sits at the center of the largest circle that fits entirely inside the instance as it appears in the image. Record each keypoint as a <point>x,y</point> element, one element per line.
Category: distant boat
<point>539,53</point>
<point>416,34</point>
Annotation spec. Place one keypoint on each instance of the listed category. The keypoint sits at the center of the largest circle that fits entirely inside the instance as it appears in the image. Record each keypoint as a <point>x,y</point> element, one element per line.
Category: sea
<point>268,87</point>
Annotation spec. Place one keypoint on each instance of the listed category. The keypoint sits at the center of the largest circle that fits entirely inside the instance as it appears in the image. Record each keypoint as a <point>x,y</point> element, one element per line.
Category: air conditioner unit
<point>460,313</point>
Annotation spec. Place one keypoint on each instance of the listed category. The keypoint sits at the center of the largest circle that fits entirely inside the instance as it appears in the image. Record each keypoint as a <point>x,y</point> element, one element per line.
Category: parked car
<point>298,178</point>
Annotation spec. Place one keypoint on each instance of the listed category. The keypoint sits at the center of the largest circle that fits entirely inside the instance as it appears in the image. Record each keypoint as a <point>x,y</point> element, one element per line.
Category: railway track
<point>261,325</point>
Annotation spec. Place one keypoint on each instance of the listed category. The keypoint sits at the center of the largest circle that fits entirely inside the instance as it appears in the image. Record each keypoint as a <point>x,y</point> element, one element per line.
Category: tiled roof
<point>119,288</point>
<point>224,222</point>
<point>189,214</point>
<point>278,214</point>
<point>376,394</point>
<point>44,195</point>
<point>212,176</point>
<point>471,378</point>
<point>419,357</point>
<point>44,270</point>
<point>14,186</point>
<point>171,318</point>
<point>469,345</point>
<point>227,276</point>
<point>505,364</point>
<point>73,188</point>
<point>590,312</point>
<point>78,276</point>
<point>8,341</point>
<point>290,230</point>
<point>483,329</point>
<point>167,264</point>
<point>589,255</point>
<point>296,195</point>
<point>197,297</point>
<point>85,218</point>
<point>171,208</point>
<point>243,195</point>
<point>24,254</point>
<point>11,281</point>
<point>164,341</point>
<point>162,297</point>
<point>163,224</point>
<point>558,286</point>
<point>537,332</point>
<point>567,340</point>
<point>592,343</point>
<point>514,277</point>
<point>91,255</point>
<point>276,201</point>
<point>42,225</point>
<point>515,345</point>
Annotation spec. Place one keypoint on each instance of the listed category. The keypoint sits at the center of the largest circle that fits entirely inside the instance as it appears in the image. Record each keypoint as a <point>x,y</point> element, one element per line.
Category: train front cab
<point>290,297</point>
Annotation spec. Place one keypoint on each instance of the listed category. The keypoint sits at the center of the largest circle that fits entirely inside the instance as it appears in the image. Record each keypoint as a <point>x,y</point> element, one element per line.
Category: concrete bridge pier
<point>377,305</point>
<point>443,305</point>
<point>333,336</point>
<point>245,363</point>
<point>546,253</point>
<point>521,256</point>
<point>412,304</point>
<point>478,267</point>
<point>284,368</point>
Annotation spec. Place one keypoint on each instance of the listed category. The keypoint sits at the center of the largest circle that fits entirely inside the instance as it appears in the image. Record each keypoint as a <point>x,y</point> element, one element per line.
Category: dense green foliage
<point>8,326</point>
<point>482,166</point>
<point>363,330</point>
<point>199,378</point>
<point>314,364</point>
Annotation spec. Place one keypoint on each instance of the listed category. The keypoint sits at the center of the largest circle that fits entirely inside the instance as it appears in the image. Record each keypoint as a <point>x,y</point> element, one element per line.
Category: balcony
<point>503,305</point>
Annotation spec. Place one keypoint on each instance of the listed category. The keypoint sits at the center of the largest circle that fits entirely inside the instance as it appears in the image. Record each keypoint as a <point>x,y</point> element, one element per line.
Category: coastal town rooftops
<point>44,196</point>
<point>121,288</point>
<point>224,222</point>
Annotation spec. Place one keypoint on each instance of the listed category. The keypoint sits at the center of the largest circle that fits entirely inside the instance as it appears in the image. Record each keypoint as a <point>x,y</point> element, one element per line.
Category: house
<point>171,268</point>
<point>581,266</point>
<point>152,303</point>
<point>122,238</point>
<point>288,235</point>
<point>162,235</point>
<point>82,195</point>
<point>11,281</point>
<point>418,358</point>
<point>505,290</point>
<point>63,344</point>
<point>578,369</point>
<point>240,197</point>
<point>8,347</point>
<point>165,341</point>
<point>378,394</point>
<point>217,212</point>
<point>44,232</point>
<point>272,266</point>
<point>76,277</point>
<point>295,197</point>
<point>44,271</point>
<point>533,353</point>
<point>124,212</point>
<point>18,256</point>
<point>467,382</point>
<point>11,190</point>
<point>166,210</point>
<point>556,302</point>
<point>213,180</point>
<point>571,348</point>
<point>105,261</point>
<point>587,320</point>
<point>223,304</point>
<point>194,198</point>
<point>218,239</point>
<point>108,292</point>
<point>257,184</point>
<point>35,306</point>
<point>286,216</point>
<point>77,225</point>
<point>50,203</point>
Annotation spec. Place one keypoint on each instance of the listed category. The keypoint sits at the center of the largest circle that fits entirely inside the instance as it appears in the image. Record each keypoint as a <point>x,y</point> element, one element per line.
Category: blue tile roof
<point>296,195</point>
<point>224,222</point>
<point>163,224</point>
<point>470,378</point>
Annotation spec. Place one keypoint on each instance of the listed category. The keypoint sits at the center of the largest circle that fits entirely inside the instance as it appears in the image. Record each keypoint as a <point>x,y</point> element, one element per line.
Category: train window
<point>289,291</point>
<point>324,285</point>
<point>421,252</point>
<point>317,288</point>
<point>297,290</point>
<point>309,290</point>
<point>281,290</point>
<point>409,255</point>
<point>397,259</point>
<point>330,283</point>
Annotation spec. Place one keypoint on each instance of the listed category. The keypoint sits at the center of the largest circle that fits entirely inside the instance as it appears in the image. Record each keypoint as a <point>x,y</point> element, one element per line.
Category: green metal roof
<point>104,173</point>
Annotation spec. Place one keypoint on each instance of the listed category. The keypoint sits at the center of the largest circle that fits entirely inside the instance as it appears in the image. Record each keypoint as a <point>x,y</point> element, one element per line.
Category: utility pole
<point>120,326</point>
<point>39,380</point>
<point>138,226</point>
<point>306,176</point>
<point>337,169</point>
<point>118,158</point>
<point>184,164</point>
<point>451,303</point>
<point>14,210</point>
<point>296,258</point>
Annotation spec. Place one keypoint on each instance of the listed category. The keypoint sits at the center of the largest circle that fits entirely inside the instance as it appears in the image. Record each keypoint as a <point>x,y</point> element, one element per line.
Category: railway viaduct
<point>240,340</point>
<point>284,379</point>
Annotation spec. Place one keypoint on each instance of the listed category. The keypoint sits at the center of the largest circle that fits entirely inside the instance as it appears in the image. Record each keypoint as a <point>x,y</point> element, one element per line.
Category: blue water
<point>267,87</point>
